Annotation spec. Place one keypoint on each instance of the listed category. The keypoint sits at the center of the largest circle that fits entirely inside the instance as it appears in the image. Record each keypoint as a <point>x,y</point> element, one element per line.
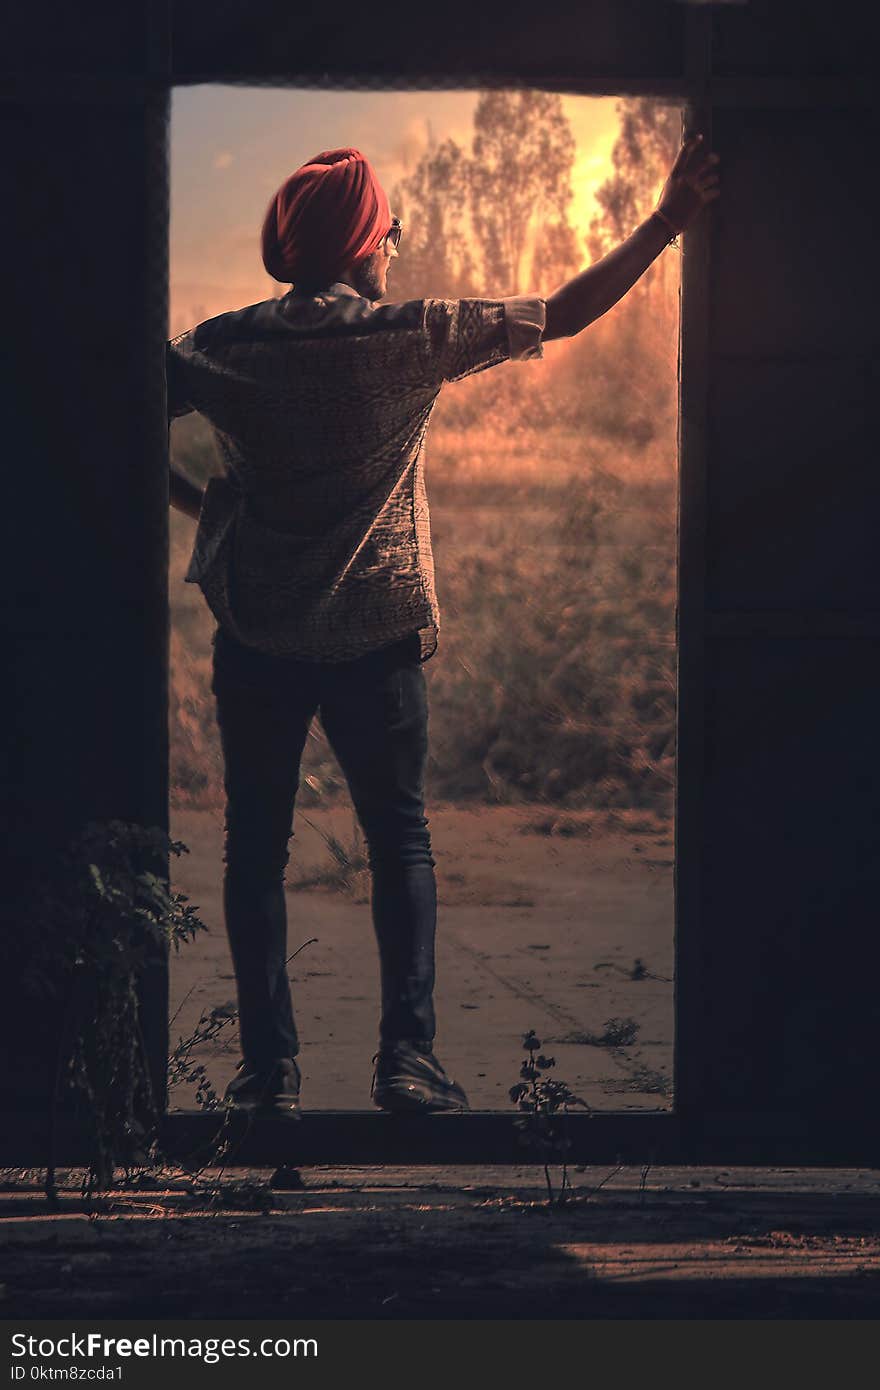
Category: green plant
<point>99,920</point>
<point>544,1125</point>
<point>184,1070</point>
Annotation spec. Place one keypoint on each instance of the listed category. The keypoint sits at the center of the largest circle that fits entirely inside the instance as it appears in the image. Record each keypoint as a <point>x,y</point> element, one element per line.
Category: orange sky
<point>232,146</point>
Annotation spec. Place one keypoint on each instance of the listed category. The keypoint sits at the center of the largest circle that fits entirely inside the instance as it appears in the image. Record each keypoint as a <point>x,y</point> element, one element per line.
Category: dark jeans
<point>375,713</point>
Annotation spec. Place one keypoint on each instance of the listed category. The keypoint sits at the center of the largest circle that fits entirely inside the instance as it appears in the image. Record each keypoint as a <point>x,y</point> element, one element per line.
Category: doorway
<point>553,493</point>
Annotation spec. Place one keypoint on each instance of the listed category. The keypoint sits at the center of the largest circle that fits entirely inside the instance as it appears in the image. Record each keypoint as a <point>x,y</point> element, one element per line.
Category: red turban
<point>328,213</point>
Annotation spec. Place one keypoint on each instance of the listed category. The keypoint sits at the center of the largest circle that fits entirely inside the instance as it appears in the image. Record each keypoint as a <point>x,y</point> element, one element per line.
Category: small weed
<point>637,971</point>
<point>346,862</point>
<point>183,1070</point>
<point>617,1032</point>
<point>545,1102</point>
<point>650,1082</point>
<point>569,827</point>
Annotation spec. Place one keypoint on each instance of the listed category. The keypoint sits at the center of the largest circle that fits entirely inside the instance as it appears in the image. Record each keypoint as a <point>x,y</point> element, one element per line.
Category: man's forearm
<point>184,495</point>
<point>598,288</point>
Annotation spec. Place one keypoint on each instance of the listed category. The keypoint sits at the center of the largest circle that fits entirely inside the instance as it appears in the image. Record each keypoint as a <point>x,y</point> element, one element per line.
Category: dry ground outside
<point>543,916</point>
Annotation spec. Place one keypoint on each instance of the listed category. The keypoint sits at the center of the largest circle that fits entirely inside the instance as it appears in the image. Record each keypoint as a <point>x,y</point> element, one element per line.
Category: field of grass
<point>554,681</point>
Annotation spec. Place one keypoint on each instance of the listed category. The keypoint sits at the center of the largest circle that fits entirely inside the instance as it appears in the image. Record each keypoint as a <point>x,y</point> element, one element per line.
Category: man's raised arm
<point>692,183</point>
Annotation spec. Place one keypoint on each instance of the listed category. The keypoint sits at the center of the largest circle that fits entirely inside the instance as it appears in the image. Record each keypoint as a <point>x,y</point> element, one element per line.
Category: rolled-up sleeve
<point>463,336</point>
<point>525,316</point>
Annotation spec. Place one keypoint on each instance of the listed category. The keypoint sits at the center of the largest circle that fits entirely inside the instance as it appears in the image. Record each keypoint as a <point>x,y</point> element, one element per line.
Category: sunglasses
<point>394,233</point>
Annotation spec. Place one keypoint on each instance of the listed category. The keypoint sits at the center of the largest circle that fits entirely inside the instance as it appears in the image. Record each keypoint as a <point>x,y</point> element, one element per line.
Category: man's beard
<point>368,279</point>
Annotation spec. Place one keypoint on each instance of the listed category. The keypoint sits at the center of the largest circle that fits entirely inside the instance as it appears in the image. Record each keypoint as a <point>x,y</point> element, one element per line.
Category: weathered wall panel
<point>797,248</point>
<point>83,599</point>
<point>782,38</point>
<point>66,39</point>
<point>784,938</point>
<point>791,874</point>
<point>519,40</point>
<point>792,489</point>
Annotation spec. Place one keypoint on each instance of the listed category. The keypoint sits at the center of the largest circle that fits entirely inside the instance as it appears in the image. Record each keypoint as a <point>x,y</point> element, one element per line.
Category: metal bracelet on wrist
<point>672,240</point>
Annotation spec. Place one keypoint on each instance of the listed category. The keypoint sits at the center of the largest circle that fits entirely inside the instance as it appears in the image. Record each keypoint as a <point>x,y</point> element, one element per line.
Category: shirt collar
<point>337,288</point>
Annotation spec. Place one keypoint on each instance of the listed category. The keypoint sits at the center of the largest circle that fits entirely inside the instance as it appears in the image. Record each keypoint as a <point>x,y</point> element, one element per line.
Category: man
<point>314,555</point>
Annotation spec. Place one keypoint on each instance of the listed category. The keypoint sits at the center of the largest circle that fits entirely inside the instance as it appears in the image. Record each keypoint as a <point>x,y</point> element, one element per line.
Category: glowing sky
<point>232,146</point>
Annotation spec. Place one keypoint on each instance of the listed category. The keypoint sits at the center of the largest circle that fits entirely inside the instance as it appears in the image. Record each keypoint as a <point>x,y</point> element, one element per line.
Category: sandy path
<point>536,930</point>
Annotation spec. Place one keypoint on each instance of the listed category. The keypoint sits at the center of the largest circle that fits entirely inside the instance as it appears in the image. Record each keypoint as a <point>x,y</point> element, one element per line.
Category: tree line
<point>494,219</point>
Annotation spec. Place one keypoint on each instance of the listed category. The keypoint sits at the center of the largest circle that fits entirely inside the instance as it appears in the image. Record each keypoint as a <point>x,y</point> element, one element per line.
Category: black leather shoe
<point>407,1081</point>
<point>273,1089</point>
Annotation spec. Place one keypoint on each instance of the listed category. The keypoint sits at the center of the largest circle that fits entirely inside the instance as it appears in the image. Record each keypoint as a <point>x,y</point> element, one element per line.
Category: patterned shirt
<point>316,543</point>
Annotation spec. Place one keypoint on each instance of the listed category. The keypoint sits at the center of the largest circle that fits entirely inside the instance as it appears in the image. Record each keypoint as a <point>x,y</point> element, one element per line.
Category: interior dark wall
<point>458,45</point>
<point>777,836</point>
<point>788,947</point>
<point>84,544</point>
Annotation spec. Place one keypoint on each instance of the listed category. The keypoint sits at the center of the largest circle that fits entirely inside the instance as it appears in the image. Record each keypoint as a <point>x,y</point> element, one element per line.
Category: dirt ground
<point>548,920</point>
<point>444,1243</point>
